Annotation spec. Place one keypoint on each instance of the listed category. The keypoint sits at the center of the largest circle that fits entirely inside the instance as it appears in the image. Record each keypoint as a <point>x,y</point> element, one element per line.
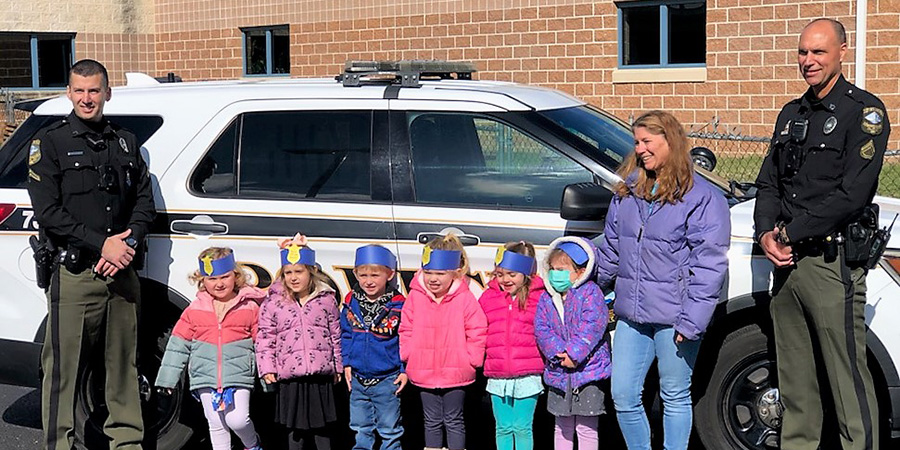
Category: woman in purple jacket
<point>665,242</point>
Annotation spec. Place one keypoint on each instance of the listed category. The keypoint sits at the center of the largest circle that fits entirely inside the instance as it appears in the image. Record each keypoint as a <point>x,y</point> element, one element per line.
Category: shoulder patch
<point>867,151</point>
<point>872,120</point>
<point>34,154</point>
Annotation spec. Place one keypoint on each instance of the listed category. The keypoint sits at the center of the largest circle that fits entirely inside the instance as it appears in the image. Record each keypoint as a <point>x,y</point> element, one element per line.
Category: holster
<point>864,243</point>
<point>44,260</point>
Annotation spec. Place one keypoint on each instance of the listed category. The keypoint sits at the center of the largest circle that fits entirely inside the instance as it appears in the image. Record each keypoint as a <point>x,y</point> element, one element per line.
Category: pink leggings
<point>568,426</point>
<point>236,418</point>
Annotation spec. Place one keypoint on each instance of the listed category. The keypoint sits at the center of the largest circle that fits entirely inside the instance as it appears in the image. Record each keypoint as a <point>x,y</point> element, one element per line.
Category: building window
<point>671,33</point>
<point>267,51</point>
<point>35,60</point>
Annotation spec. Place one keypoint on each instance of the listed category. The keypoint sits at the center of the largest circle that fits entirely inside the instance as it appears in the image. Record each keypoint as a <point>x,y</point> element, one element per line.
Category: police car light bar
<point>408,73</point>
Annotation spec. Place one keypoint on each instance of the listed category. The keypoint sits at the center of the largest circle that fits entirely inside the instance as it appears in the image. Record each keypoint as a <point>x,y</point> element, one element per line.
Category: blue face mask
<point>560,280</point>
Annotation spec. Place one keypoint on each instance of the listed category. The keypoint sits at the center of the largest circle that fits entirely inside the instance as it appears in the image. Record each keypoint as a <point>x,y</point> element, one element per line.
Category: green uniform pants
<point>822,304</point>
<point>90,314</point>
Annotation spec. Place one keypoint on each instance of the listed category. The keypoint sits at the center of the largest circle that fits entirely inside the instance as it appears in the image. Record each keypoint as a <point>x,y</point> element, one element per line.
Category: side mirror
<point>585,201</point>
<point>704,157</point>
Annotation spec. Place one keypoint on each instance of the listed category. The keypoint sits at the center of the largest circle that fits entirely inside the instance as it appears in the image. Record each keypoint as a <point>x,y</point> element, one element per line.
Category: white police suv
<point>391,154</point>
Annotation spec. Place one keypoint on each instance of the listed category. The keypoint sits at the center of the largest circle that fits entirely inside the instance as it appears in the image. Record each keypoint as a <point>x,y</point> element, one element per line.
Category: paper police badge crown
<point>210,267</point>
<point>295,254</point>
<point>575,251</point>
<point>516,262</point>
<point>375,254</point>
<point>433,259</point>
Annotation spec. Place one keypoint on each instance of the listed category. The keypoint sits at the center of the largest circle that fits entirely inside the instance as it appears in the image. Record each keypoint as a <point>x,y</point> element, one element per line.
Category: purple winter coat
<point>294,340</point>
<point>670,267</point>
<point>576,325</point>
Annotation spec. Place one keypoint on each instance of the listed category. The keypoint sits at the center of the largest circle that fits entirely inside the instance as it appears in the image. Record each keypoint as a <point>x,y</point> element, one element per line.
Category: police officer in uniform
<point>817,182</point>
<point>91,194</point>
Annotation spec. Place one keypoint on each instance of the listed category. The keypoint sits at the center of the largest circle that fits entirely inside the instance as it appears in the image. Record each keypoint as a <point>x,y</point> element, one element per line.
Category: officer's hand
<point>402,379</point>
<point>780,254</point>
<point>347,372</point>
<point>105,268</point>
<point>116,251</point>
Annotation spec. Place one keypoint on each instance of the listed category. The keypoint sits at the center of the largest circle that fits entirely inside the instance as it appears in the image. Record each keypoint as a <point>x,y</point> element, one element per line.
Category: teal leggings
<point>514,417</point>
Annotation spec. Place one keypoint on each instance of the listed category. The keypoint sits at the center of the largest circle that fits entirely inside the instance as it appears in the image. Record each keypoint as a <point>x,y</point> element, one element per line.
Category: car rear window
<point>13,153</point>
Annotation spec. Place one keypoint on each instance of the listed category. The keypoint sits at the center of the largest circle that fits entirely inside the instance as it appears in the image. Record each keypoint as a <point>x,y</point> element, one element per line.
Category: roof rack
<point>408,73</point>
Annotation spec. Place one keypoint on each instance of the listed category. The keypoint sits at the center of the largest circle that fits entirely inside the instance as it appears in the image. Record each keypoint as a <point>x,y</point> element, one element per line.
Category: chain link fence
<point>739,157</point>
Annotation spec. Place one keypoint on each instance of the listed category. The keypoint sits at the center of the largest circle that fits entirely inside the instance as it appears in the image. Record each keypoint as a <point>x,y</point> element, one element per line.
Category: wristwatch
<point>131,242</point>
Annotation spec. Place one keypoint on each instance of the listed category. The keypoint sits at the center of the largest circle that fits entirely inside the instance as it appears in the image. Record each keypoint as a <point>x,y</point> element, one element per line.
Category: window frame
<point>33,39</point>
<point>269,29</point>
<point>663,34</point>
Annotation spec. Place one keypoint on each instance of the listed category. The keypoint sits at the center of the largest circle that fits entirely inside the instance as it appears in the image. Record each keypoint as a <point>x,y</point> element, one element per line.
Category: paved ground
<point>20,428</point>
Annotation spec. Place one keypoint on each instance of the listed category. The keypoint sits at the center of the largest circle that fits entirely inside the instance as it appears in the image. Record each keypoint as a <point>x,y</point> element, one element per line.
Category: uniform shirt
<point>66,164</point>
<point>842,157</point>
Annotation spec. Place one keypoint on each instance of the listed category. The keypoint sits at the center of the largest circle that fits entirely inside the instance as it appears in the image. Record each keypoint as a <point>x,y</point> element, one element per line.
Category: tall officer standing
<point>815,222</point>
<point>91,194</point>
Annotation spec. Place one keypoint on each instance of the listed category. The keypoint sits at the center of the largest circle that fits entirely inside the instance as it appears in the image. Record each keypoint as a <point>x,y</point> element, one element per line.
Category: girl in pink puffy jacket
<point>442,338</point>
<point>514,364</point>
<point>298,346</point>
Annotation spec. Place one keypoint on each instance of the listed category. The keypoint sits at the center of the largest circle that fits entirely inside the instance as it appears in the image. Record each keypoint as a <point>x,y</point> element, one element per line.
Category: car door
<point>478,174</point>
<point>264,170</point>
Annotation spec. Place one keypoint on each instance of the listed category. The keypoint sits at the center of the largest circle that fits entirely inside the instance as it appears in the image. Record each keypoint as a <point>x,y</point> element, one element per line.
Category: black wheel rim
<point>745,387</point>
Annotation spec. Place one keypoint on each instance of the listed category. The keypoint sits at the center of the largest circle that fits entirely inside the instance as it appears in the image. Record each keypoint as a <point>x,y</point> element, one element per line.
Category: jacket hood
<point>459,286</point>
<point>589,269</point>
<point>205,300</point>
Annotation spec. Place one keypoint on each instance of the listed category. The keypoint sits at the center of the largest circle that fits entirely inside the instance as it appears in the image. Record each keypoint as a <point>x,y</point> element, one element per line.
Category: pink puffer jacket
<point>442,343</point>
<point>511,347</point>
<point>294,340</point>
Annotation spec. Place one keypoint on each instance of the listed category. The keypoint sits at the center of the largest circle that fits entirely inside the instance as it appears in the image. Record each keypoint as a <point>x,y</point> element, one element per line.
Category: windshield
<point>600,131</point>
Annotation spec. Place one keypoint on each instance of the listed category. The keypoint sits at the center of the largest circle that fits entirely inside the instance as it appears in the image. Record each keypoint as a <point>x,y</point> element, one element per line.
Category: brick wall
<point>567,45</point>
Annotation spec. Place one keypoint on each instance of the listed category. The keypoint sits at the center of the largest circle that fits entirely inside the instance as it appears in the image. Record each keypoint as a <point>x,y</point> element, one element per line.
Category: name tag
<point>75,153</point>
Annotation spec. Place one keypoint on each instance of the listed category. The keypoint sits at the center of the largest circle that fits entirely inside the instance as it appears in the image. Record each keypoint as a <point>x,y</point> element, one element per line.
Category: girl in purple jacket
<point>570,327</point>
<point>298,346</point>
<point>665,242</point>
<point>513,365</point>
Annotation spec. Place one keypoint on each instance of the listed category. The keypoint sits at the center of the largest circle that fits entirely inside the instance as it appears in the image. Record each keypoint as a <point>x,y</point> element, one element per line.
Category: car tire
<point>738,409</point>
<point>704,157</point>
<point>169,420</point>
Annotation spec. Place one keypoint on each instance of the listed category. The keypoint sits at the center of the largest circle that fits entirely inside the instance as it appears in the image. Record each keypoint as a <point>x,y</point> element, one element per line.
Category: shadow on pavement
<point>25,411</point>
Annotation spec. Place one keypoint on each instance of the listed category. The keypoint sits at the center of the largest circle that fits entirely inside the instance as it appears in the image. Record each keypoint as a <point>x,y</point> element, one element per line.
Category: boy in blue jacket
<point>370,349</point>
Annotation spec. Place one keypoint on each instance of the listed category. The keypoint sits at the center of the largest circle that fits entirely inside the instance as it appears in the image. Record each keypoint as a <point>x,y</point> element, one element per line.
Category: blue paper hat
<point>575,251</point>
<point>375,254</point>
<point>295,254</point>
<point>433,259</point>
<point>210,267</point>
<point>516,262</point>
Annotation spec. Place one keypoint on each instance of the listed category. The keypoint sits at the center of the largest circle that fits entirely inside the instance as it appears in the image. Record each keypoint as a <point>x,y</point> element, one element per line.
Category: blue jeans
<point>635,346</point>
<point>375,408</point>
<point>515,417</point>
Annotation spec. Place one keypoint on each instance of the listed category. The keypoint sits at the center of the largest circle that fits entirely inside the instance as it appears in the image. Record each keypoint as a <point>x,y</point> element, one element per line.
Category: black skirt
<point>305,403</point>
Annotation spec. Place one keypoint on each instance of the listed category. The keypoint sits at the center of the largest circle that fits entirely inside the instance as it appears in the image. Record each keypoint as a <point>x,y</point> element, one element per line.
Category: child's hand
<point>679,338</point>
<point>337,378</point>
<point>269,378</point>
<point>402,379</point>
<point>164,391</point>
<point>348,371</point>
<point>565,361</point>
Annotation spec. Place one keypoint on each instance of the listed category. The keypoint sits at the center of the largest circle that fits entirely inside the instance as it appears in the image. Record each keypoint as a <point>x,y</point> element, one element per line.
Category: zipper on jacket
<point>509,315</point>
<point>219,365</point>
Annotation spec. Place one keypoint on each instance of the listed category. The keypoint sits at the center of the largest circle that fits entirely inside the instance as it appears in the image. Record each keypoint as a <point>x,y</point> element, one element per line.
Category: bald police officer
<point>91,194</point>
<point>818,179</point>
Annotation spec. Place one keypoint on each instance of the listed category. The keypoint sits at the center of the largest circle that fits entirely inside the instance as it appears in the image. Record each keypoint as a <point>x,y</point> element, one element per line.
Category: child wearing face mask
<point>215,335</point>
<point>299,347</point>
<point>442,339</point>
<point>513,365</point>
<point>570,328</point>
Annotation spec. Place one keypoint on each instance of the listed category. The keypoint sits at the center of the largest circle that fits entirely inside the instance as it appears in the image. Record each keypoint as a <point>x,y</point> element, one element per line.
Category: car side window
<point>290,155</point>
<point>470,159</point>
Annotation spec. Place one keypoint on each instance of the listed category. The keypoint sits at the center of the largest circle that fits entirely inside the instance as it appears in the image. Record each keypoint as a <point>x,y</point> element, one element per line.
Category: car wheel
<point>704,157</point>
<point>739,408</point>
<point>167,419</point>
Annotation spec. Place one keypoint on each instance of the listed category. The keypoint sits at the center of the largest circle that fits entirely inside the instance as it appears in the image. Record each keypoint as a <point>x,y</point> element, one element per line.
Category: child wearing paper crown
<point>570,327</point>
<point>370,348</point>
<point>442,338</point>
<point>214,337</point>
<point>299,347</point>
<point>513,364</point>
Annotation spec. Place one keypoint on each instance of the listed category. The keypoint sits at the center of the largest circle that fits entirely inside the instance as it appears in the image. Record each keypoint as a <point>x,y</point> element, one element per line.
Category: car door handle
<point>467,240</point>
<point>202,225</point>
